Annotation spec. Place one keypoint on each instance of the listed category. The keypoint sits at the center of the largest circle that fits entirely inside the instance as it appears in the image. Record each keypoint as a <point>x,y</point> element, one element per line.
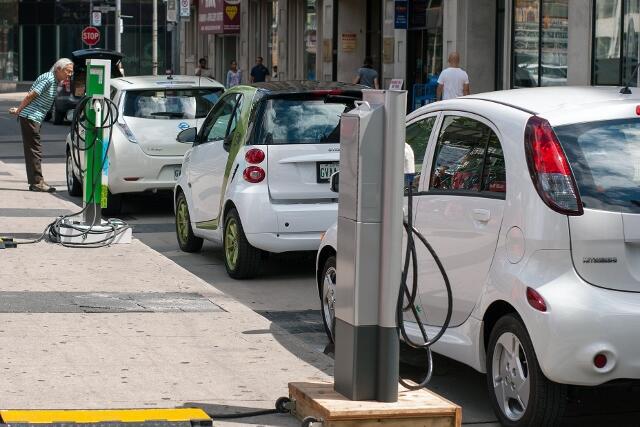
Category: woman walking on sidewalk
<point>31,112</point>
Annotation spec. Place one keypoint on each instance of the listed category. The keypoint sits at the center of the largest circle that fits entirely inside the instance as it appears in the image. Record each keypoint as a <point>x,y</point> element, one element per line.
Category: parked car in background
<point>144,154</point>
<point>531,199</point>
<point>71,91</point>
<point>257,176</point>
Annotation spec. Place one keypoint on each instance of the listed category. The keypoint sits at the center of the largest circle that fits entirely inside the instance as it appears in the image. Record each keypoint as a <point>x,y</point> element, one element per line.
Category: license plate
<point>176,173</point>
<point>325,170</point>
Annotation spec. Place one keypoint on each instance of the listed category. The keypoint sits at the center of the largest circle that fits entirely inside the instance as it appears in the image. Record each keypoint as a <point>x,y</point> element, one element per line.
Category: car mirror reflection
<point>187,136</point>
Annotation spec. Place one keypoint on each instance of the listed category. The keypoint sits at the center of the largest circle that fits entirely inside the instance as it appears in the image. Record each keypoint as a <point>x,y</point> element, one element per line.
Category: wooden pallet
<point>421,408</point>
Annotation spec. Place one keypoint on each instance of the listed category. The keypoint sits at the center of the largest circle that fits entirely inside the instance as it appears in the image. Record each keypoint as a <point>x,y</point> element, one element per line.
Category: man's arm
<point>26,101</point>
<point>465,89</point>
<point>439,91</point>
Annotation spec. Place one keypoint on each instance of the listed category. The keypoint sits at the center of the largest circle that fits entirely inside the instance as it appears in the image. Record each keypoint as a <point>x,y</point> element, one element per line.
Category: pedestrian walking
<point>367,75</point>
<point>31,113</point>
<point>259,72</point>
<point>234,76</point>
<point>453,80</point>
<point>202,70</point>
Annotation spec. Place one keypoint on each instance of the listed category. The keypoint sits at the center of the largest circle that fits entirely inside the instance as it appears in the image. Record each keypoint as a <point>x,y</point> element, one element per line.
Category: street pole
<point>118,26</point>
<point>154,40</point>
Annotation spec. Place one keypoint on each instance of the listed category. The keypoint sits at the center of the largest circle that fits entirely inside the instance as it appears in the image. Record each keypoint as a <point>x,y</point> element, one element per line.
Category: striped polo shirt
<point>46,87</point>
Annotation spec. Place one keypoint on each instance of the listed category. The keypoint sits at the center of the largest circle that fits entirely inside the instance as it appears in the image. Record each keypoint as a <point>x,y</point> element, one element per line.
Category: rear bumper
<point>128,161</point>
<point>285,242</point>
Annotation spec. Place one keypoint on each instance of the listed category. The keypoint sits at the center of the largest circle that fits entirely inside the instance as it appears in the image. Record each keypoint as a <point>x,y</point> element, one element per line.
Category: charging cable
<point>112,228</point>
<point>410,293</point>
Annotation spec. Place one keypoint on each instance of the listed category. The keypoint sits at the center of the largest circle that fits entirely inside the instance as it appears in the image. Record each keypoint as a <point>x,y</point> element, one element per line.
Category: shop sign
<point>219,16</point>
<point>396,84</point>
<point>349,42</point>
<point>401,20</point>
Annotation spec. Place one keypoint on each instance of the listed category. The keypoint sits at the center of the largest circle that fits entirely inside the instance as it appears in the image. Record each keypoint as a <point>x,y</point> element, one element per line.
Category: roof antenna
<point>625,90</point>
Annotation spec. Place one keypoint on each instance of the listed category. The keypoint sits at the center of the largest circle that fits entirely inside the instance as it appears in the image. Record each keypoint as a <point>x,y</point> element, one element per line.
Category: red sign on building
<point>219,16</point>
<point>90,36</point>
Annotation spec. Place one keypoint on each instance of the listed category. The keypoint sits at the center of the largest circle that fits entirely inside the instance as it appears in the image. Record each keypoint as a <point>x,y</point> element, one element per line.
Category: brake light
<point>254,156</point>
<point>254,174</point>
<point>549,168</point>
<point>127,132</point>
<point>535,300</point>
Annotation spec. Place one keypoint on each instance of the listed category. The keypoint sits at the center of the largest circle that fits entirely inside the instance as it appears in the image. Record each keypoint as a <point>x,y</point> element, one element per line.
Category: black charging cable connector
<point>283,406</point>
<point>410,293</point>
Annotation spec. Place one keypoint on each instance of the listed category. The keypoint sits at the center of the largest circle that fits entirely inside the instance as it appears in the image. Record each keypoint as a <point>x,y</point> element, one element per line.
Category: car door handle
<point>482,215</point>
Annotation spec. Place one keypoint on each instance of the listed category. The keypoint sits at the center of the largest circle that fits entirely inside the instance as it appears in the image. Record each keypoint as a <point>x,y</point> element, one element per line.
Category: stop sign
<point>91,36</point>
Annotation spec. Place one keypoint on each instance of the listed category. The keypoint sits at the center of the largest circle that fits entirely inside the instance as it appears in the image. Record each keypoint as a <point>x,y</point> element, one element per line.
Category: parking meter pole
<point>369,241</point>
<point>97,84</point>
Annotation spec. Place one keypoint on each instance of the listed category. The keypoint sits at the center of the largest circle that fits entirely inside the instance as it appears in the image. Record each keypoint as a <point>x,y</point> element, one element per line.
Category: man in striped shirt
<point>31,112</point>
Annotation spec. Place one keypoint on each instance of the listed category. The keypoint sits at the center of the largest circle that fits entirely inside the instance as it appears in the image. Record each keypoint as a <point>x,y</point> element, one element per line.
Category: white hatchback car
<point>257,175</point>
<point>144,154</point>
<point>531,198</point>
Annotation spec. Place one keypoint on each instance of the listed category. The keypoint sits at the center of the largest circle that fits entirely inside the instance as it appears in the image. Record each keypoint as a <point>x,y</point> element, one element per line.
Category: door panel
<point>209,159</point>
<point>460,214</point>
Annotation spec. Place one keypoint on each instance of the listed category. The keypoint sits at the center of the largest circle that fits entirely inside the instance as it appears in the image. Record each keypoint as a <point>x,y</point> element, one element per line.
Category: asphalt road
<point>286,293</point>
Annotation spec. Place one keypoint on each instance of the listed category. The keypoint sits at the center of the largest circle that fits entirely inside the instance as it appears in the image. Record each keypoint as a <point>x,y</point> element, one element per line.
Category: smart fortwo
<point>257,176</point>
<point>531,199</point>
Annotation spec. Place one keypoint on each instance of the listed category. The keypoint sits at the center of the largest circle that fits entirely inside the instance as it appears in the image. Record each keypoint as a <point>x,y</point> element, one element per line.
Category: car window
<point>235,118</point>
<point>468,158</point>
<point>605,159</point>
<point>113,93</point>
<point>170,103</point>
<point>301,121</point>
<point>418,134</point>
<point>217,124</point>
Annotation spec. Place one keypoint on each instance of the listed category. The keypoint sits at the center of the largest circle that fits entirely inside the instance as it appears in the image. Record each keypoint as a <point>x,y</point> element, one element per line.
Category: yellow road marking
<point>97,416</point>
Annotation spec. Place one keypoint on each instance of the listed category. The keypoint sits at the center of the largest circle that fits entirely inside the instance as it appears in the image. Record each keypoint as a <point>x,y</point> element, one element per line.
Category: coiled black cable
<point>79,125</point>
<point>411,260</point>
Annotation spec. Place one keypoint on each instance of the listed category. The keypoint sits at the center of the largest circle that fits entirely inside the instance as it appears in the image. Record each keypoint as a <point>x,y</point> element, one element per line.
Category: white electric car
<point>257,175</point>
<point>531,199</point>
<point>144,154</point>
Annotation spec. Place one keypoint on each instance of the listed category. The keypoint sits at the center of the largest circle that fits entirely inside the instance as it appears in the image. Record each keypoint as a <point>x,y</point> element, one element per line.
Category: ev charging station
<point>370,224</point>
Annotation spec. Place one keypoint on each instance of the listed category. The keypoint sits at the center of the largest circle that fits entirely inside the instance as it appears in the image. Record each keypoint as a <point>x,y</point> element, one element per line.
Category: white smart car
<point>144,154</point>
<point>531,198</point>
<point>257,177</point>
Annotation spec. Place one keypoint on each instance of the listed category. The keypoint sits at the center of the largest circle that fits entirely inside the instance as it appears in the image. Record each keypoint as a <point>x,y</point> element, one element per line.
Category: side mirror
<point>187,136</point>
<point>334,182</point>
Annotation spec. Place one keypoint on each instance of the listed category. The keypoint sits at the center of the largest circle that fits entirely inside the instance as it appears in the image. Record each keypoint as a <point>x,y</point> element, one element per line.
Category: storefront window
<point>9,59</point>
<point>310,40</point>
<point>616,45</point>
<point>540,34</point>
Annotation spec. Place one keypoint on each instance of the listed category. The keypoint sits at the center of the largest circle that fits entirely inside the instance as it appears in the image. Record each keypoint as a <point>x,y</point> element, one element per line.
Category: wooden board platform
<point>413,408</point>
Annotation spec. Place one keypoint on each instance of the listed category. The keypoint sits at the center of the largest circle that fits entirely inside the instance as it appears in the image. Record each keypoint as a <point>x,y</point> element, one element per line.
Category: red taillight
<point>535,300</point>
<point>600,361</point>
<point>549,168</point>
<point>254,174</point>
<point>254,156</point>
<point>637,110</point>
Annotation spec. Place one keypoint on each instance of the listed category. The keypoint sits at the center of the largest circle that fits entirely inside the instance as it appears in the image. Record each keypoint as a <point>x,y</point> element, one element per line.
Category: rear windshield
<point>170,103</point>
<point>605,158</point>
<point>294,121</point>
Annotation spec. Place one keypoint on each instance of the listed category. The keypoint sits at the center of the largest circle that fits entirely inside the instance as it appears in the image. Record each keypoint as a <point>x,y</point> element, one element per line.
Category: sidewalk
<point>125,327</point>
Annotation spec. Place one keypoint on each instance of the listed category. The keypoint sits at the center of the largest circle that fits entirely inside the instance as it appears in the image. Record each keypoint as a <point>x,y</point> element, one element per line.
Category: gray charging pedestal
<point>370,247</point>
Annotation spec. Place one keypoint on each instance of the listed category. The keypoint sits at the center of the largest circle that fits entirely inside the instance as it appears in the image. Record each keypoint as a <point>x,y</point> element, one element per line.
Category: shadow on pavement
<point>213,409</point>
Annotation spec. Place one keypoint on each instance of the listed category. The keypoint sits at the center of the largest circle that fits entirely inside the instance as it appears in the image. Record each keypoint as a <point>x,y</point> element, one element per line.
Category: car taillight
<point>549,168</point>
<point>254,174</point>
<point>127,132</point>
<point>254,156</point>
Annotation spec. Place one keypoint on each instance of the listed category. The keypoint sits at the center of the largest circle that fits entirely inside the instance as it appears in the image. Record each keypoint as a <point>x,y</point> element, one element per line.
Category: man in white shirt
<point>453,81</point>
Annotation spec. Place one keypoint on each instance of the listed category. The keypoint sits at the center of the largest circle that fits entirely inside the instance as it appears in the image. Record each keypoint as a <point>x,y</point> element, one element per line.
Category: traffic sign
<point>90,36</point>
<point>96,19</point>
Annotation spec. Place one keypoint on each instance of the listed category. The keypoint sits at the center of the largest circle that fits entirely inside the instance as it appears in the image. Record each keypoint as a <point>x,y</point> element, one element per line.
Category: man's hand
<point>13,110</point>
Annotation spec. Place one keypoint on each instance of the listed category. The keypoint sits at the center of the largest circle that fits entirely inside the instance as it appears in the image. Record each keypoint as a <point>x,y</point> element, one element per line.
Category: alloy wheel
<point>182,221</point>
<point>231,243</point>
<point>329,297</point>
<point>69,171</point>
<point>511,379</point>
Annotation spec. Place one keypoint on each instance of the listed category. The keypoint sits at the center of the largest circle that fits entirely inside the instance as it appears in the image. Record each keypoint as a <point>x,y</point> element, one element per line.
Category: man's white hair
<point>60,64</point>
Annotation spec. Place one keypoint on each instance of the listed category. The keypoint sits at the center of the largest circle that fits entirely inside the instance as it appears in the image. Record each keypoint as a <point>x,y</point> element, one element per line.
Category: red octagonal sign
<point>91,36</point>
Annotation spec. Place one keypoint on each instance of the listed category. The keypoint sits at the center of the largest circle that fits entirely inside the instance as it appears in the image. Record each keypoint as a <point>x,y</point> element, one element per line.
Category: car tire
<point>114,204</point>
<point>74,185</point>
<point>328,296</point>
<point>511,366</point>
<point>57,117</point>
<point>187,241</point>
<point>241,260</point>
